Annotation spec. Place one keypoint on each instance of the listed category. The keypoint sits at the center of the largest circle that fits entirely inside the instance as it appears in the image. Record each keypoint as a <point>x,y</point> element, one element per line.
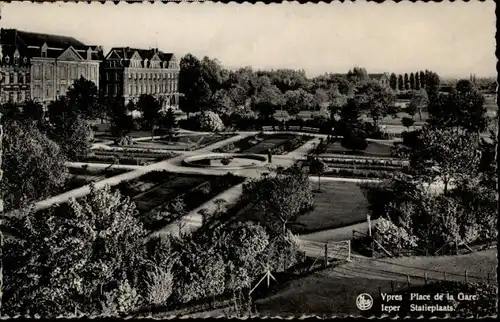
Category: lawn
<point>339,204</point>
<point>156,189</point>
<point>376,149</point>
<point>181,142</point>
<point>334,290</point>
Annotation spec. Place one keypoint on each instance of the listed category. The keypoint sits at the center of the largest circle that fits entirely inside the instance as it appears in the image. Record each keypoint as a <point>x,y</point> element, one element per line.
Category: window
<point>44,53</point>
<point>129,89</point>
<point>16,80</point>
<point>136,89</point>
<point>107,76</point>
<point>150,76</point>
<point>117,77</point>
<point>7,78</point>
<point>16,60</point>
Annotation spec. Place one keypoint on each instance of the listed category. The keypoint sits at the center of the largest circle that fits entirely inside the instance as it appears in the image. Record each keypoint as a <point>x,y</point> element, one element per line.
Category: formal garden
<point>162,197</point>
<point>263,143</point>
<point>95,254</point>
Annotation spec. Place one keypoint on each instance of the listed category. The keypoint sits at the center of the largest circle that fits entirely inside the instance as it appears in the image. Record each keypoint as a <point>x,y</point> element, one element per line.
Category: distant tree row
<point>413,81</point>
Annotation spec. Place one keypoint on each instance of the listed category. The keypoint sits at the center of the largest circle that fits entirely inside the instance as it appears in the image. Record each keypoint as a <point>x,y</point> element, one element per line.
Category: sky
<point>452,39</point>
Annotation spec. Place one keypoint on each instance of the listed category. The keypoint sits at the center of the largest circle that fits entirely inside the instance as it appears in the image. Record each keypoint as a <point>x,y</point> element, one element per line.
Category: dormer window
<point>7,59</point>
<point>44,50</point>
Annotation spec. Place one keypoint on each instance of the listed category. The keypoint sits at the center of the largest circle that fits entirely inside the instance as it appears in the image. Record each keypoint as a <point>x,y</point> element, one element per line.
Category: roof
<point>126,53</point>
<point>14,36</point>
<point>12,39</point>
<point>377,76</point>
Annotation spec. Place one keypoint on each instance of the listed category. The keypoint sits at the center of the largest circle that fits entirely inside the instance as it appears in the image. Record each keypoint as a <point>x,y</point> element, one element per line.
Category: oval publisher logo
<point>364,301</point>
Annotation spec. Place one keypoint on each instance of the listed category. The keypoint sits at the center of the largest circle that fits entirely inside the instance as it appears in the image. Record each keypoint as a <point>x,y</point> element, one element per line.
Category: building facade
<point>130,73</point>
<point>42,67</point>
<point>382,79</point>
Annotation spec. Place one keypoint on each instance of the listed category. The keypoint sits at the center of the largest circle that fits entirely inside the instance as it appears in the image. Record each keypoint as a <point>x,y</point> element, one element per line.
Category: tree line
<point>413,81</point>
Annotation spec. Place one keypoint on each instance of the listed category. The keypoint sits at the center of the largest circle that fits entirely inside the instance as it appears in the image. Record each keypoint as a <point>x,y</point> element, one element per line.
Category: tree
<point>75,138</point>
<point>432,81</point>
<point>222,103</point>
<point>374,99</point>
<point>195,89</point>
<point>406,82</point>
<point>266,98</point>
<point>83,100</point>
<point>445,155</point>
<point>354,142</point>
<point>401,84</point>
<point>412,81</point>
<point>418,83</point>
<point>318,167</point>
<point>121,123</point>
<point>150,108</point>
<point>298,100</point>
<point>77,257</point>
<point>418,102</point>
<point>461,109</point>
<point>320,98</point>
<point>169,122</point>
<point>393,82</point>
<point>276,200</point>
<point>357,75</point>
<point>422,79</point>
<point>33,111</point>
<point>33,165</point>
<point>407,122</point>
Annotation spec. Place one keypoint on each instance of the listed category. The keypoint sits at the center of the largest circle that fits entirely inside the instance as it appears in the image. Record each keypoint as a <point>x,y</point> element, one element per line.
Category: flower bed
<point>134,153</point>
<point>355,173</point>
<point>367,161</point>
<point>121,160</point>
<point>131,150</point>
<point>292,144</point>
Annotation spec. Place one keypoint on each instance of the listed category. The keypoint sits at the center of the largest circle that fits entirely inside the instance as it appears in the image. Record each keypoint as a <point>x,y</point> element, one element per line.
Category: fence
<point>418,274</point>
<point>326,252</point>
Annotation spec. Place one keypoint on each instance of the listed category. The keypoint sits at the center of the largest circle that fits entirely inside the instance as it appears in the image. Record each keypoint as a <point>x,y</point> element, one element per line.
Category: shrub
<point>124,141</point>
<point>392,237</point>
<point>226,161</point>
<point>210,121</point>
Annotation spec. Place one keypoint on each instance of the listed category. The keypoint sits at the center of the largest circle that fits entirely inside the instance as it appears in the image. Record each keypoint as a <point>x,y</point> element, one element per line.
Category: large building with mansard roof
<point>42,67</point>
<point>130,72</point>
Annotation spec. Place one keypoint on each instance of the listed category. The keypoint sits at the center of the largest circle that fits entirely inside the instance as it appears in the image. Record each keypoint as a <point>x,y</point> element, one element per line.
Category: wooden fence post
<point>408,280</point>
<point>425,277</point>
<point>326,254</point>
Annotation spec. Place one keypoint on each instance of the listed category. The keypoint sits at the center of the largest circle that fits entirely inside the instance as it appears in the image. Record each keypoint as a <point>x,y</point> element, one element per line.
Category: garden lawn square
<point>269,142</point>
<point>373,149</point>
<point>339,204</point>
<point>181,142</point>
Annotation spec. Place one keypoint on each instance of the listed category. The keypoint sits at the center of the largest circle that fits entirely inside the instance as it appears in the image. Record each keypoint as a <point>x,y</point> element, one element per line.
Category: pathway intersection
<point>193,220</point>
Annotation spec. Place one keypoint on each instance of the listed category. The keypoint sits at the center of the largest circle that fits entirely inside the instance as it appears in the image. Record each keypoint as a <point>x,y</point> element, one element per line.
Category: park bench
<point>294,128</point>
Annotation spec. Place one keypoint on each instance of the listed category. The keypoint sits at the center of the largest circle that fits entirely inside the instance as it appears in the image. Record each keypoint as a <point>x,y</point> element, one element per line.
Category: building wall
<point>131,83</point>
<point>52,78</point>
<point>15,84</point>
